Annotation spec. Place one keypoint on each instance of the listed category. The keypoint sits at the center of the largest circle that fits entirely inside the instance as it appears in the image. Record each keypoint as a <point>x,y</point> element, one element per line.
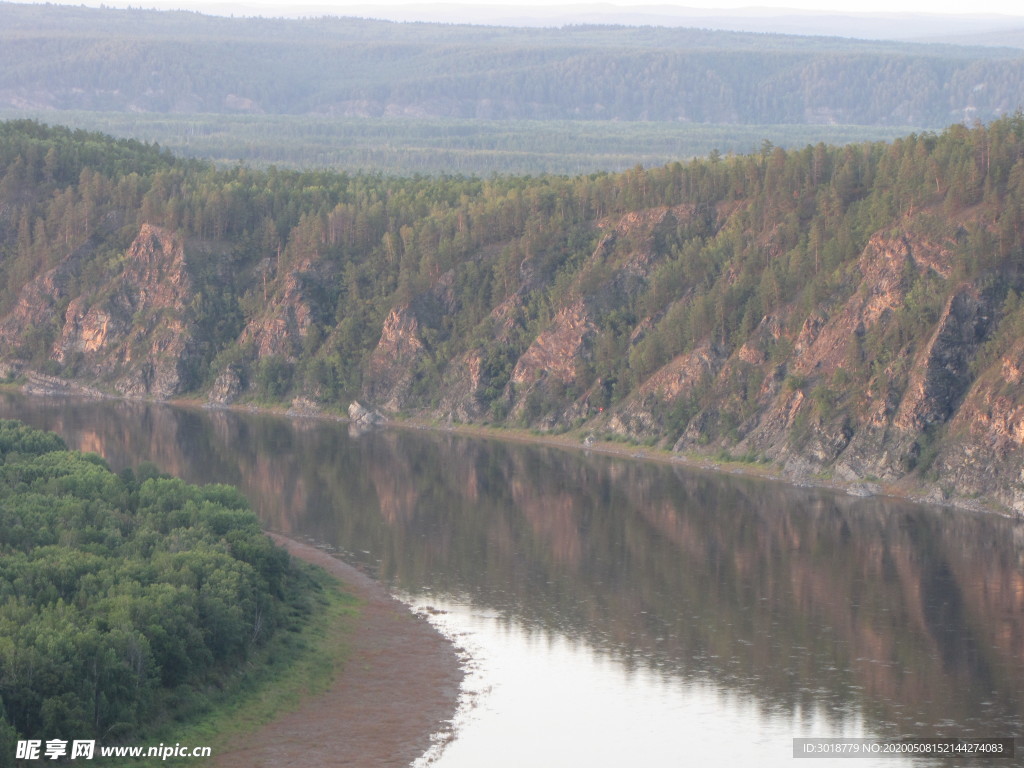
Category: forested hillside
<point>67,58</point>
<point>362,95</point>
<point>126,601</point>
<point>843,312</point>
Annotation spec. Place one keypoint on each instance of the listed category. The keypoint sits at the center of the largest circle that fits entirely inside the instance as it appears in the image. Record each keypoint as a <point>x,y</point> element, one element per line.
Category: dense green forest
<point>778,304</point>
<point>404,91</point>
<point>127,601</point>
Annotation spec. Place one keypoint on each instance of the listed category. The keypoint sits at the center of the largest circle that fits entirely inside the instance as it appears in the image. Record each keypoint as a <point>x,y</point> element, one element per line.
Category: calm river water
<point>620,612</point>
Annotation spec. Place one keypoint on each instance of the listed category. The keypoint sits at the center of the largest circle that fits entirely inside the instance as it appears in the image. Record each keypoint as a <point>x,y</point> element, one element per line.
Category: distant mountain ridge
<point>983,29</point>
<point>74,58</point>
<point>784,20</point>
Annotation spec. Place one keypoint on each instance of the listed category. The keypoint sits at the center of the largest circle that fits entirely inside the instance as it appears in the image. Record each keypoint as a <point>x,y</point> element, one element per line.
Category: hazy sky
<point>338,7</point>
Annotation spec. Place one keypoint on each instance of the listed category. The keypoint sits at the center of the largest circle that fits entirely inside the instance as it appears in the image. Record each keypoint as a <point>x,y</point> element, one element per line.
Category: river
<point>617,611</point>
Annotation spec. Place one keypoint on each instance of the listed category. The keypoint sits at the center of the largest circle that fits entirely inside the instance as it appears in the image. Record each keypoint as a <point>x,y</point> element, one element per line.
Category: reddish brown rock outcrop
<point>289,313</point>
<point>136,332</point>
<point>389,375</point>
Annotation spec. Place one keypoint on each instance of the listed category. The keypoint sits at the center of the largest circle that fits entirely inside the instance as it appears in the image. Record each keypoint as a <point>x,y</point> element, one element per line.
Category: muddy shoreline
<point>398,689</point>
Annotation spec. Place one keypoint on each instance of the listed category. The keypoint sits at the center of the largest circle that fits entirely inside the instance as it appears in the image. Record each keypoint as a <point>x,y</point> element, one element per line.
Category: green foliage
<point>122,596</point>
<point>274,376</point>
<point>16,438</point>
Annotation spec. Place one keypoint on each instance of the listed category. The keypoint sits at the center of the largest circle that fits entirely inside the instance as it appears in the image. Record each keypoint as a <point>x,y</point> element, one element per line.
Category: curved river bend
<point>625,612</point>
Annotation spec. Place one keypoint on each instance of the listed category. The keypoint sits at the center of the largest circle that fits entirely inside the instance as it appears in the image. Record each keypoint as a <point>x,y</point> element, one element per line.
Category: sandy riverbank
<point>399,686</point>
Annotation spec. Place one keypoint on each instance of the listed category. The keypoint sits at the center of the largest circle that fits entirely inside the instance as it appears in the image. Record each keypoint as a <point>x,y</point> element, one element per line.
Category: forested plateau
<point>128,602</point>
<point>851,313</point>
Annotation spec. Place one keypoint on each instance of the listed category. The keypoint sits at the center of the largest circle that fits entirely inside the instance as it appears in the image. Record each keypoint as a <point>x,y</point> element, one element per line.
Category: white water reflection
<point>533,698</point>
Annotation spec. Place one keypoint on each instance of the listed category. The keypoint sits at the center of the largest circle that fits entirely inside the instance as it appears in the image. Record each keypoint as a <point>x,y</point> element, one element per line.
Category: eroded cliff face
<point>980,453</point>
<point>795,424</point>
<point>549,385</point>
<point>403,369</point>
<point>796,408</point>
<point>289,313</point>
<point>133,333</point>
<point>136,332</point>
<point>931,417</point>
<point>390,373</point>
<point>548,368</point>
<point>878,383</point>
<point>642,416</point>
<point>928,419</point>
<point>39,307</point>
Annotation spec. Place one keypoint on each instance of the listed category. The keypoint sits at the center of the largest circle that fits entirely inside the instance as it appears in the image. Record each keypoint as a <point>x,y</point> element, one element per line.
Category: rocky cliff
<point>133,333</point>
<point>813,312</point>
<point>136,332</point>
<point>778,397</point>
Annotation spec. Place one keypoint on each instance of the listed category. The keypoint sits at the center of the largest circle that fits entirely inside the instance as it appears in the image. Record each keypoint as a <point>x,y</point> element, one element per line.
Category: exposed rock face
<point>548,367</point>
<point>399,363</point>
<point>136,332</point>
<point>778,395</point>
<point>227,386</point>
<point>40,303</point>
<point>553,354</point>
<point>824,344</point>
<point>461,399</point>
<point>742,389</point>
<point>290,313</point>
<point>389,376</point>
<point>546,386</point>
<point>928,397</point>
<point>38,384</point>
<point>886,443</point>
<point>942,373</point>
<point>981,455</point>
<point>641,416</point>
<point>467,380</point>
<point>761,403</point>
